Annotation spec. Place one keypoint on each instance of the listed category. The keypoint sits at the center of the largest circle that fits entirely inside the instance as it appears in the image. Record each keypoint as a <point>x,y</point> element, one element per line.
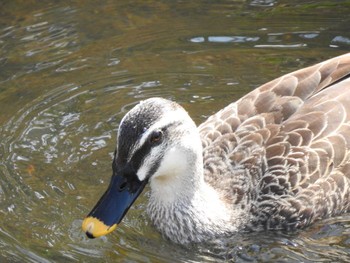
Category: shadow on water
<point>70,71</point>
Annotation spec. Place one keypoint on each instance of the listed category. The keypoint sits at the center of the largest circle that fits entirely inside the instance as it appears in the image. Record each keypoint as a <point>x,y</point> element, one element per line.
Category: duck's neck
<point>183,206</point>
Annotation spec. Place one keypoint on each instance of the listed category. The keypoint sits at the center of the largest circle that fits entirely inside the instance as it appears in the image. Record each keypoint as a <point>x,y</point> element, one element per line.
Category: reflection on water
<point>224,39</point>
<point>69,72</point>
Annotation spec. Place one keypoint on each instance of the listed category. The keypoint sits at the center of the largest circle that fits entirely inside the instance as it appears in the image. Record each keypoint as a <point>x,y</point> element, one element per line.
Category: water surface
<point>69,71</point>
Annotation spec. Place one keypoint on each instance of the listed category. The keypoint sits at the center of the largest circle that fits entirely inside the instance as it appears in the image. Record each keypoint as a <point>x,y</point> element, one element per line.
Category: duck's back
<point>282,152</point>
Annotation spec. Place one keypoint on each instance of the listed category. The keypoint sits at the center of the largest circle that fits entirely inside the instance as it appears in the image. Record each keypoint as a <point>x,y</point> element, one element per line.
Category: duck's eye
<point>156,137</point>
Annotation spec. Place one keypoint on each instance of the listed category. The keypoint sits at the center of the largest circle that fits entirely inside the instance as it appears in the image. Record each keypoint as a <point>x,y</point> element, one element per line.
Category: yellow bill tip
<point>96,228</point>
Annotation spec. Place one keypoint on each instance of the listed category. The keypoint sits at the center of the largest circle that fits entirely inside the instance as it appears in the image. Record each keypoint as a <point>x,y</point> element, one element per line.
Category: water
<point>70,70</point>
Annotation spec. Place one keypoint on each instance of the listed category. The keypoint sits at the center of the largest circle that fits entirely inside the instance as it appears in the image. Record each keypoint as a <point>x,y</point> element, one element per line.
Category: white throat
<point>172,177</point>
<point>180,194</point>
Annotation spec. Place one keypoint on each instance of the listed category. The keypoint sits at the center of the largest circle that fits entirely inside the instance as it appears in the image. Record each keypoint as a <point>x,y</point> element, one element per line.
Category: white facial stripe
<point>169,117</point>
<point>142,172</point>
<point>154,155</point>
<point>147,164</point>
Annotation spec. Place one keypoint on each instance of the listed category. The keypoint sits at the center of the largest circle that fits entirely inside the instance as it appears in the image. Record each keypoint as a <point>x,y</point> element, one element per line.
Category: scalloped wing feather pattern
<point>290,140</point>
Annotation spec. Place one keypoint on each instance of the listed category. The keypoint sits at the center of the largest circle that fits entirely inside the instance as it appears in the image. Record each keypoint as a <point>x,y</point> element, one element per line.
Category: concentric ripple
<point>69,71</point>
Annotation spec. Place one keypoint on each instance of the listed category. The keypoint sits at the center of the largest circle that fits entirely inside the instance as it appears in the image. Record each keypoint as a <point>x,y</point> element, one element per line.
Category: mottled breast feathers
<point>290,141</point>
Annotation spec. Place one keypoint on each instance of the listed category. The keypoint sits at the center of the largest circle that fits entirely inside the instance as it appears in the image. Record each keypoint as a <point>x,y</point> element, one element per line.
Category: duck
<point>276,159</point>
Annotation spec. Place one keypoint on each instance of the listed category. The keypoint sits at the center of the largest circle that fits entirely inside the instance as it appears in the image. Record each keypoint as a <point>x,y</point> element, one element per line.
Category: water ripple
<point>69,72</point>
<point>45,42</point>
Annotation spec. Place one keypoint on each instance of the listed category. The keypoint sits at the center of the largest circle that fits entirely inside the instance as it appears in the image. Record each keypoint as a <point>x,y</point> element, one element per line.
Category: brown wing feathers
<point>296,130</point>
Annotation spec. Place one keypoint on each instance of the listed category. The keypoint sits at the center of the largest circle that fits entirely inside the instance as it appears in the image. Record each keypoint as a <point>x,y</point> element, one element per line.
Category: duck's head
<point>156,139</point>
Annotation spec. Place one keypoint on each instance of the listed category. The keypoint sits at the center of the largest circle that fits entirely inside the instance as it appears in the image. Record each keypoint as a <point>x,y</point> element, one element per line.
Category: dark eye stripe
<point>140,154</point>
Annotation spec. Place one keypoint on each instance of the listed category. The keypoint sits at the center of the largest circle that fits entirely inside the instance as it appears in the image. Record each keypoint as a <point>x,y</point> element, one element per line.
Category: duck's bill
<point>113,205</point>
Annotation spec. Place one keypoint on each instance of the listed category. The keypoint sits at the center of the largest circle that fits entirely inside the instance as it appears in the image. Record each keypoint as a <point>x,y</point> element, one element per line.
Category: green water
<point>69,70</point>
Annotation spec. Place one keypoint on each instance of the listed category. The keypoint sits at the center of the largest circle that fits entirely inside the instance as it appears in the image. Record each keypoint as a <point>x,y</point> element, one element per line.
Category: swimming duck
<point>278,158</point>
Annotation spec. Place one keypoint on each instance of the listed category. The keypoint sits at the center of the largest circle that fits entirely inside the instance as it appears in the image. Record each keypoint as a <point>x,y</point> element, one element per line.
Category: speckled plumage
<point>290,141</point>
<point>278,158</point>
<point>281,154</point>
